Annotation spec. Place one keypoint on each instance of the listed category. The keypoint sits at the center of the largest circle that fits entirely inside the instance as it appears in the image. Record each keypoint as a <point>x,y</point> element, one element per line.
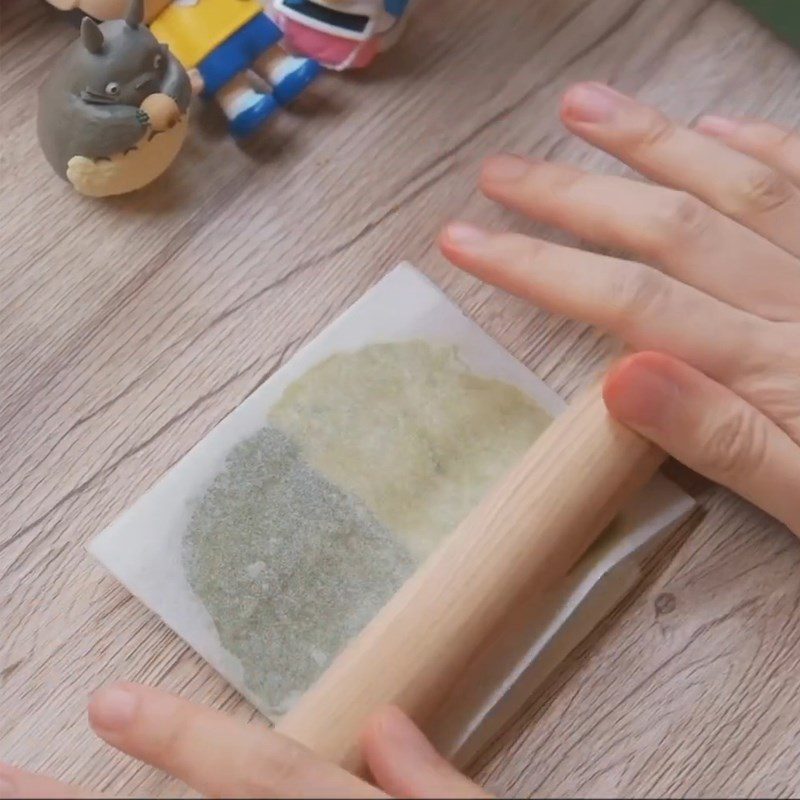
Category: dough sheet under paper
<point>279,535</point>
<point>367,462</point>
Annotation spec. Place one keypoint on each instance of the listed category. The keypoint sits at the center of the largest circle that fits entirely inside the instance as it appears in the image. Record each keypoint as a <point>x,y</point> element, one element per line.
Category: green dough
<point>289,567</point>
<point>411,431</point>
<point>366,463</point>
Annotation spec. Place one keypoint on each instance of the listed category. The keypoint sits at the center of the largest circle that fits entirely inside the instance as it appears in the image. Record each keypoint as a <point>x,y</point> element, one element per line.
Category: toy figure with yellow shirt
<point>220,41</point>
<point>339,34</point>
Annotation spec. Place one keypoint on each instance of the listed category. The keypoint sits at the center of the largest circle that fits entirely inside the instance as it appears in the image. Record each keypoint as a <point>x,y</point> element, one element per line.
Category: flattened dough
<point>411,431</point>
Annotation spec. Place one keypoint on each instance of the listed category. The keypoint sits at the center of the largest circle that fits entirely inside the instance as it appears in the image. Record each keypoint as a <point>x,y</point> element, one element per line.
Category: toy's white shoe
<point>291,76</point>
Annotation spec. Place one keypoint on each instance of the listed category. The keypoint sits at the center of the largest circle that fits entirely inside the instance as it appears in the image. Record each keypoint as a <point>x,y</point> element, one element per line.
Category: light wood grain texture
<point>530,530</point>
<point>129,328</point>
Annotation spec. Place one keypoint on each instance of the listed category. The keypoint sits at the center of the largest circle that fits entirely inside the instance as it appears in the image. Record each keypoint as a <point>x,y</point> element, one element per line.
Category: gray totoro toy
<point>113,113</point>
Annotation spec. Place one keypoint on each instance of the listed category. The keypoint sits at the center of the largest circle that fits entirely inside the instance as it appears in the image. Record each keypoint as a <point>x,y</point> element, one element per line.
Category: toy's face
<point>373,10</point>
<point>129,80</point>
<point>116,64</point>
<point>353,17</point>
<point>109,9</point>
<point>340,34</point>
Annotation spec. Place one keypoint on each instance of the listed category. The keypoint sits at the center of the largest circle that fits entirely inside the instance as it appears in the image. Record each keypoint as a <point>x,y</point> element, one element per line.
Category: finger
<point>405,764</point>
<point>710,429</point>
<point>779,147</point>
<point>739,186</point>
<point>19,783</point>
<point>693,242</point>
<point>645,308</point>
<point>212,752</point>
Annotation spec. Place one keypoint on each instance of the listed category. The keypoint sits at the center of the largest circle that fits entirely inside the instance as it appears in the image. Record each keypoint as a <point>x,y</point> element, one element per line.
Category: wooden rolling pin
<point>530,530</point>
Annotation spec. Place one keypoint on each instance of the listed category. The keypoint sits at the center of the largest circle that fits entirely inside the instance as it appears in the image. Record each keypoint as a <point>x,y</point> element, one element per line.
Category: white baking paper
<point>143,547</point>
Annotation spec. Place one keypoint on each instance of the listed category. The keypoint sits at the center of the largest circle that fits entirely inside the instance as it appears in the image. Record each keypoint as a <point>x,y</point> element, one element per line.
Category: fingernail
<point>8,788</point>
<point>716,126</point>
<point>112,708</point>
<point>592,102</point>
<point>641,395</point>
<point>505,168</point>
<point>465,235</point>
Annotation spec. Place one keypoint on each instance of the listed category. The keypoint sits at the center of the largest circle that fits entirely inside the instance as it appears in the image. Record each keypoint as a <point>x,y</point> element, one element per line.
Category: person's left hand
<point>221,757</point>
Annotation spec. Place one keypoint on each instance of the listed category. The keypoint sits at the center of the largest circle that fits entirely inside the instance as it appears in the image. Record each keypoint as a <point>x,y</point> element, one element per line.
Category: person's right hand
<point>716,381</point>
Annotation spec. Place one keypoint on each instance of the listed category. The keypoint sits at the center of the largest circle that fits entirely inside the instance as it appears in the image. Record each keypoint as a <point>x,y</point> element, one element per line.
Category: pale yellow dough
<point>408,429</point>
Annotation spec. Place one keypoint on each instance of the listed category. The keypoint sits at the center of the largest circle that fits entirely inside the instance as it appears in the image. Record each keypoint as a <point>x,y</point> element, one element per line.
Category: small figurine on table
<point>109,9</point>
<point>113,112</point>
<point>341,34</point>
<point>220,41</point>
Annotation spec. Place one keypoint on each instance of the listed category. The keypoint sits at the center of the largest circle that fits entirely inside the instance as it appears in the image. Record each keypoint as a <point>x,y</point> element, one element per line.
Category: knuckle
<point>763,190</point>
<point>531,252</point>
<point>638,292</point>
<point>173,744</point>
<point>682,221</point>
<point>654,131</point>
<point>565,180</point>
<point>769,138</point>
<point>173,739</point>
<point>266,775</point>
<point>785,140</point>
<point>779,138</point>
<point>737,444</point>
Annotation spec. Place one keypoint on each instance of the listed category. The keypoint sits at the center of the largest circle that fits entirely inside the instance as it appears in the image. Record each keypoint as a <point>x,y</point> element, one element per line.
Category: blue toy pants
<point>238,52</point>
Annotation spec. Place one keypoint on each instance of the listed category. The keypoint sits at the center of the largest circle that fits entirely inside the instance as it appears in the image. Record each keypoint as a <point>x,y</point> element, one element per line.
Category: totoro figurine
<point>113,112</point>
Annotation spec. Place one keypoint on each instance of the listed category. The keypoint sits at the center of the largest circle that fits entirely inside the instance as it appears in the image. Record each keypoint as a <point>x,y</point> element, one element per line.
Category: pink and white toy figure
<point>340,34</point>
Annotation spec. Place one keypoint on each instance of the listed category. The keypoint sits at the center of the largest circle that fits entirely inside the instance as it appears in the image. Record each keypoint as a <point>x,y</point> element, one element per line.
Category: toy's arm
<point>111,129</point>
<point>176,83</point>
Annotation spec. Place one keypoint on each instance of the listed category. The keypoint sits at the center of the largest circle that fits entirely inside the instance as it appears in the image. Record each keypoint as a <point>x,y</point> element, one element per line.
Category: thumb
<point>710,429</point>
<point>405,764</point>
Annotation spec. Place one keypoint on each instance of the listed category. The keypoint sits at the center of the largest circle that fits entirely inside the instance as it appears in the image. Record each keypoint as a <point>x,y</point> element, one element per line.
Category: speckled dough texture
<point>288,565</point>
<point>394,420</point>
<point>367,462</point>
<point>411,431</point>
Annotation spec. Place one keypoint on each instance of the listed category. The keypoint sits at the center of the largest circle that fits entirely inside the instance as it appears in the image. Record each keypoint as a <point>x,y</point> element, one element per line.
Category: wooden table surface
<point>129,328</point>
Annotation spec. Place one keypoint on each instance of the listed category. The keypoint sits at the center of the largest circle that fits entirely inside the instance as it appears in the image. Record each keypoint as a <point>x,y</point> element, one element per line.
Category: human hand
<point>219,756</point>
<point>716,319</point>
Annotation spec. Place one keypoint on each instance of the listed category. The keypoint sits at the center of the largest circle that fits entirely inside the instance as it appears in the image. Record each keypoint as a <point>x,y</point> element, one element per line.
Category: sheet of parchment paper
<point>146,547</point>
